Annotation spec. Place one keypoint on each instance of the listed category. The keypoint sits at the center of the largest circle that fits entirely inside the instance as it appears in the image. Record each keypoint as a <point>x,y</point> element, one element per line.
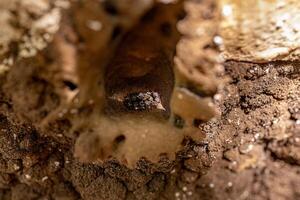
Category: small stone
<point>257,136</point>
<point>245,148</point>
<point>233,166</point>
<point>56,163</point>
<point>229,184</point>
<point>44,178</point>
<point>16,167</point>
<point>94,25</point>
<point>218,40</point>
<point>27,176</point>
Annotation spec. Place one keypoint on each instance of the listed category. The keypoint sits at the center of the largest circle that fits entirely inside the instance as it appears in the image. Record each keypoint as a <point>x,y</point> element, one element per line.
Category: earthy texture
<point>271,34</point>
<point>251,151</point>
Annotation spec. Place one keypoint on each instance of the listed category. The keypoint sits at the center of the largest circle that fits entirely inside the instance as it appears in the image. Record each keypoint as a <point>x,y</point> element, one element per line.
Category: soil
<point>252,151</point>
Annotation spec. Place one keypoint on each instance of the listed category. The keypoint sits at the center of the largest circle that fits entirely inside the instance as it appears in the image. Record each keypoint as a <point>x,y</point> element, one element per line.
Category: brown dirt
<point>251,152</point>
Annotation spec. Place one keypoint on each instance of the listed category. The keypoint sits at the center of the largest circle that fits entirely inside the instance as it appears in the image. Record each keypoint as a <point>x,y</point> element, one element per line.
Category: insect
<point>140,76</point>
<point>151,97</point>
